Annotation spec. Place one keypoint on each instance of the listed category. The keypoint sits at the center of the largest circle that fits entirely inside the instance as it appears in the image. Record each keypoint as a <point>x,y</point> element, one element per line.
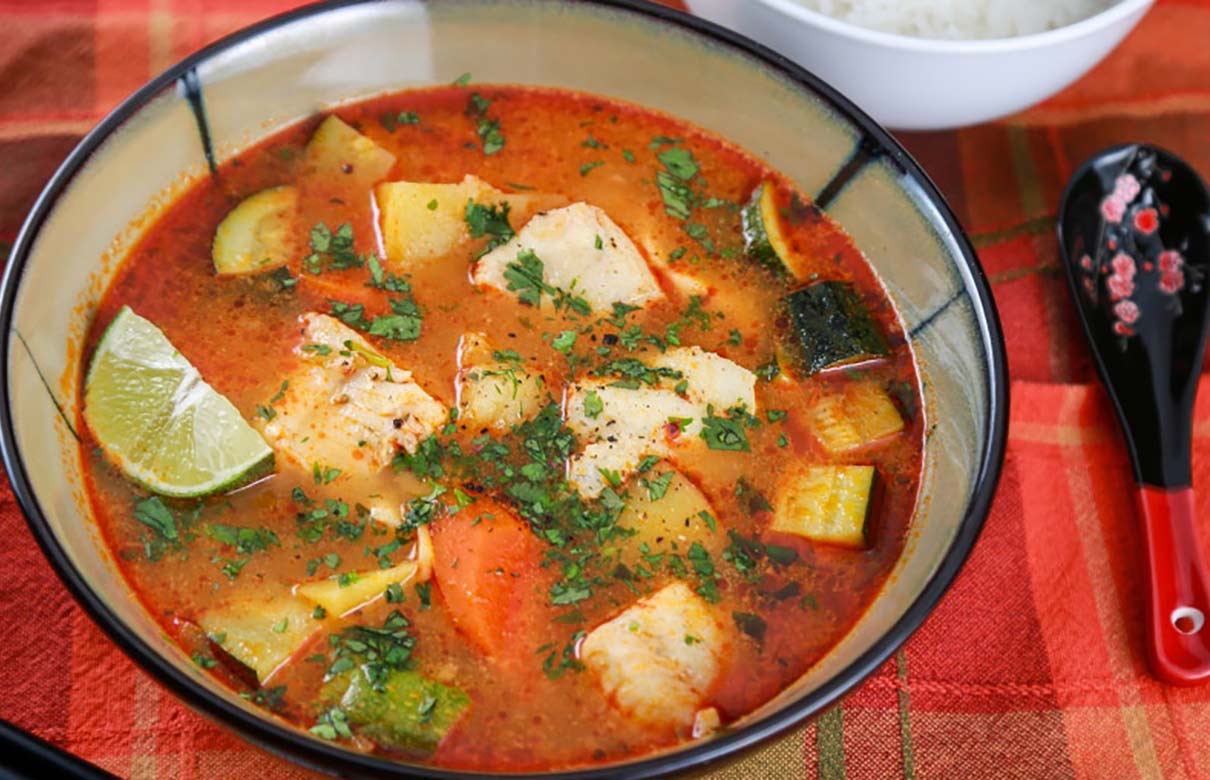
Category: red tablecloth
<point>1032,666</point>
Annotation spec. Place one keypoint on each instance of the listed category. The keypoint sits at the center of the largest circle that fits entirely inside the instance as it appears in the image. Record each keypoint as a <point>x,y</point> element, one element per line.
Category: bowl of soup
<point>514,388</point>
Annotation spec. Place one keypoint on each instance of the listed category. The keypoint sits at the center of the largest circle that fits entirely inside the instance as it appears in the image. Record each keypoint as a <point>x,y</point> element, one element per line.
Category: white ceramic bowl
<point>928,84</point>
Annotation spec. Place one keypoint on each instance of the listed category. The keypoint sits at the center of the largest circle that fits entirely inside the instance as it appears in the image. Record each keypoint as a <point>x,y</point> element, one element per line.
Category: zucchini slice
<point>827,326</point>
<point>258,234</point>
<point>828,504</point>
<point>261,633</point>
<point>856,417</point>
<point>764,240</point>
<point>407,711</point>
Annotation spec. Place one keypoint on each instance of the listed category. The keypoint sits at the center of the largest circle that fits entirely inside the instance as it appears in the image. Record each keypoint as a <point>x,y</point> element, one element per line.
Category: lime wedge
<point>163,426</point>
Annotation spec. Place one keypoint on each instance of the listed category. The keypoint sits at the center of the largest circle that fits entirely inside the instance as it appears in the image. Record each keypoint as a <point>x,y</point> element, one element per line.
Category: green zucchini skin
<point>756,235</point>
<point>409,712</point>
<point>828,326</point>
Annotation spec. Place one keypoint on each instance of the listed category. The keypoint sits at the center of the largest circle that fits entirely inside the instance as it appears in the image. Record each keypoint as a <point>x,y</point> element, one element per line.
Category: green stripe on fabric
<point>829,741</point>
<point>1035,226</point>
<point>905,717</point>
<point>1032,202</point>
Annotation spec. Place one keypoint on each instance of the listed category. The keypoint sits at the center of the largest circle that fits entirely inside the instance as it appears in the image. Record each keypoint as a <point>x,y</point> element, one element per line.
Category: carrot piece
<point>488,567</point>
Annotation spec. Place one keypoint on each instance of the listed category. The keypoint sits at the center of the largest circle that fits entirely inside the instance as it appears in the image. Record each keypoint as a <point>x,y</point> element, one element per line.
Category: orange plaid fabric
<point>1032,666</point>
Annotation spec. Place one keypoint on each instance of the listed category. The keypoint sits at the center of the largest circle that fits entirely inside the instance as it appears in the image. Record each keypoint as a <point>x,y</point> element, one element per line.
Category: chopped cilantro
<point>491,221</point>
<point>323,475</point>
<point>679,162</point>
<point>721,433</point>
<point>752,625</point>
<point>750,499</point>
<point>593,405</point>
<point>152,513</point>
<point>564,341</point>
<point>332,251</point>
<point>768,371</point>
<point>524,277</point>
<point>658,487</point>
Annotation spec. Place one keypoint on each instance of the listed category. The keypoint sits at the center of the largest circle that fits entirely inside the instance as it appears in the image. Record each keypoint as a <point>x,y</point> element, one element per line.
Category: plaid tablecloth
<point>1032,667</point>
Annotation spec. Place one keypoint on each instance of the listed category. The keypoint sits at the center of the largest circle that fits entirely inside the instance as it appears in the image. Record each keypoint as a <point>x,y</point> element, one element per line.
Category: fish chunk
<point>348,407</point>
<point>583,252</point>
<point>658,660</point>
<point>632,423</point>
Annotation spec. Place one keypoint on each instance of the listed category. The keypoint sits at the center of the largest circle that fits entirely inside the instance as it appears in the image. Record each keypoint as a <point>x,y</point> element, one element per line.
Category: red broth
<point>532,706</point>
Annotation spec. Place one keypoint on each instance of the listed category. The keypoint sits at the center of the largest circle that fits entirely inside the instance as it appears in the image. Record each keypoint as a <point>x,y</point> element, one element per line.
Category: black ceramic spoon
<point>26,757</point>
<point>1134,230</point>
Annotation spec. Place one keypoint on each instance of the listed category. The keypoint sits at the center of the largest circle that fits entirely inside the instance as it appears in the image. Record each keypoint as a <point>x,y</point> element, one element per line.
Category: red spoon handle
<point>1178,609</point>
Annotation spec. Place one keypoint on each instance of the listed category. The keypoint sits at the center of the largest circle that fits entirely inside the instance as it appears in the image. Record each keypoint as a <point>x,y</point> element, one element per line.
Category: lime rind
<point>156,418</point>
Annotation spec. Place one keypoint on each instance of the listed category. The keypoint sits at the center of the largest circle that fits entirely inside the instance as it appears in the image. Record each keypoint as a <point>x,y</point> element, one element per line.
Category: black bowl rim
<point>295,745</point>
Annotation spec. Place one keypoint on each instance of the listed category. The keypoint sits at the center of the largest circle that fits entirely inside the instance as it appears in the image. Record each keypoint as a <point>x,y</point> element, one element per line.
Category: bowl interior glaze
<point>259,80</point>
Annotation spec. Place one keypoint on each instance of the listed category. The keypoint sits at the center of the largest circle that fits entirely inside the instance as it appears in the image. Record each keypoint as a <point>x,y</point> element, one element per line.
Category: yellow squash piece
<point>423,221</point>
<point>261,633</point>
<point>495,394</point>
<point>343,157</point>
<point>361,588</point>
<point>827,504</point>
<point>259,234</point>
<point>860,415</point>
<point>668,513</point>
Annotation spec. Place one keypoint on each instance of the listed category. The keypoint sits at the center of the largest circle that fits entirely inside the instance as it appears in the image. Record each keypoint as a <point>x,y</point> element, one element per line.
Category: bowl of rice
<point>934,64</point>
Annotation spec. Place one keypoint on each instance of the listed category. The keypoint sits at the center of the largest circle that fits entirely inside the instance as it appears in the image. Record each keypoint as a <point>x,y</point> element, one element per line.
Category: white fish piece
<point>658,660</point>
<point>632,423</point>
<point>583,252</point>
<point>348,407</point>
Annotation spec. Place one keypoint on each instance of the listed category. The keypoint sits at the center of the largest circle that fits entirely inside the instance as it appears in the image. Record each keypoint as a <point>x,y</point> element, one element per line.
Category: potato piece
<point>860,415</point>
<point>582,251</point>
<point>345,157</point>
<point>362,588</point>
<point>658,660</point>
<point>259,234</point>
<point>261,633</point>
<point>348,407</point>
<point>671,522</point>
<point>424,221</point>
<point>492,393</point>
<point>829,504</point>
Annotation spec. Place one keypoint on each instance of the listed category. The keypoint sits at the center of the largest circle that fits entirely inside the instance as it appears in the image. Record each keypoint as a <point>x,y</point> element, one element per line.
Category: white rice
<point>960,19</point>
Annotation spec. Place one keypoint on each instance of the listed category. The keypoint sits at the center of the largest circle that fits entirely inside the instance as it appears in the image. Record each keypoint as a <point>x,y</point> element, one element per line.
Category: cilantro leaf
<point>721,433</point>
<point>524,277</point>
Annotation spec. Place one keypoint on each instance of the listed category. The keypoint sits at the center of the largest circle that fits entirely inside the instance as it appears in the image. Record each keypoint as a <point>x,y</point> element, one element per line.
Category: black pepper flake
<point>610,338</point>
<point>346,167</point>
<point>397,422</point>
